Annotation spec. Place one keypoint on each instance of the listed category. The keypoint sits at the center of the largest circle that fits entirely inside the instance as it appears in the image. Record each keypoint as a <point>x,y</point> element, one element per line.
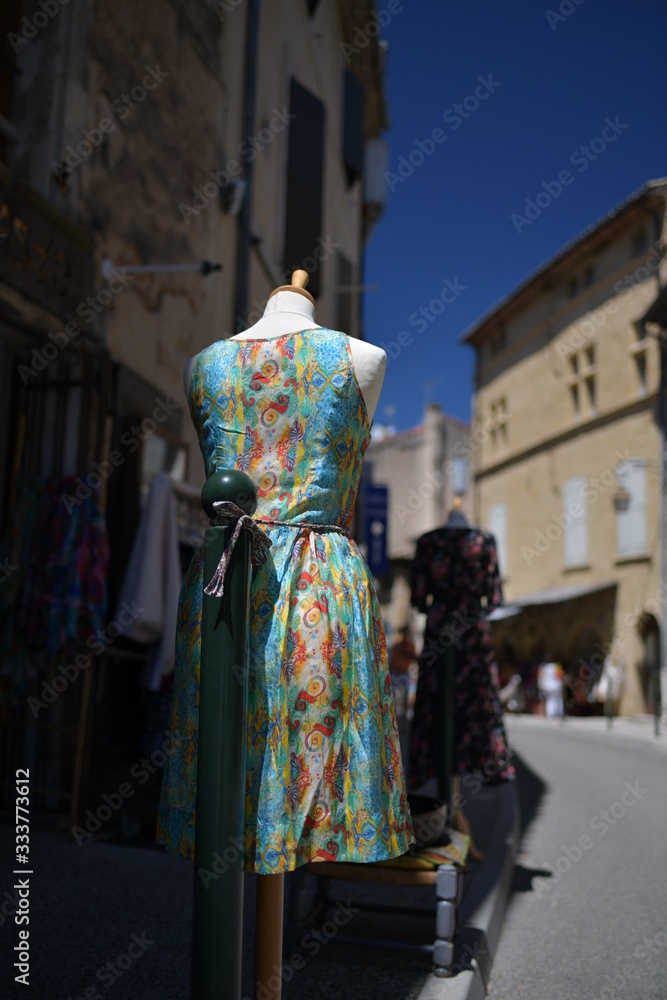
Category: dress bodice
<point>288,412</point>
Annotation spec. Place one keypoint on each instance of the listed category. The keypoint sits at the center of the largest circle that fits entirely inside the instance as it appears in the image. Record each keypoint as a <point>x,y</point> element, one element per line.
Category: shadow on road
<point>531,791</point>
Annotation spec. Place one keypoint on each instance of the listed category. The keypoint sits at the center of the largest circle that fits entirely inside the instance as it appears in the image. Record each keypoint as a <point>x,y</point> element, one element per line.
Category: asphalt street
<point>587,919</point>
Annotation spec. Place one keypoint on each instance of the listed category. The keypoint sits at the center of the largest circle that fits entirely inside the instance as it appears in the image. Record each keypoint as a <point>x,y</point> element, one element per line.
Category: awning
<point>555,595</point>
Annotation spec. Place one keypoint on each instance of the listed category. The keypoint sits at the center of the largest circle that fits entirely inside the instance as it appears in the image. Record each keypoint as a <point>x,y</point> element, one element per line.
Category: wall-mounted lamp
<point>621,499</point>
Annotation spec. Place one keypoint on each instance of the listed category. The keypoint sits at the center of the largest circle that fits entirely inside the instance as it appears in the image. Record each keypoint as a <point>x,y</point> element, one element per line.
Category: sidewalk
<point>92,906</point>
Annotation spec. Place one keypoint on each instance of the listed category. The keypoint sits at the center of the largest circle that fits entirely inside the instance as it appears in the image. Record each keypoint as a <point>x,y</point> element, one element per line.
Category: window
<point>573,287</point>
<point>639,242</point>
<point>10,11</point>
<point>498,528</point>
<point>640,361</point>
<point>582,383</point>
<point>631,522</point>
<point>353,126</point>
<point>459,476</point>
<point>303,218</point>
<point>575,522</point>
<point>344,295</point>
<point>498,423</point>
<point>589,275</point>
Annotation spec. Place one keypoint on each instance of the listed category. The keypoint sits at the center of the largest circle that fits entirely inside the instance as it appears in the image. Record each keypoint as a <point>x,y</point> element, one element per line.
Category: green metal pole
<point>218,890</point>
<point>446,671</point>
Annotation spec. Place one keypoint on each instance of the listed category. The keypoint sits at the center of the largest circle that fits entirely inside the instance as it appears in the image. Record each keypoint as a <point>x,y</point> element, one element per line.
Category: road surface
<point>588,916</point>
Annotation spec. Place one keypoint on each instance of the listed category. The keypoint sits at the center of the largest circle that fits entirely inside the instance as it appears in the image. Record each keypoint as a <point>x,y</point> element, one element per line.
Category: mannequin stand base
<point>269,937</point>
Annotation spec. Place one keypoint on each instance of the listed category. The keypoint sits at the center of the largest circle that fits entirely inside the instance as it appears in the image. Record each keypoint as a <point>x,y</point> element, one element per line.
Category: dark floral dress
<point>458,567</point>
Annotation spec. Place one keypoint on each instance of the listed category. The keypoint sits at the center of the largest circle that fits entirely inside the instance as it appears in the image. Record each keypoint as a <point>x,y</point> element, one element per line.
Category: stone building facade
<point>567,456</point>
<point>424,469</point>
<point>159,136</point>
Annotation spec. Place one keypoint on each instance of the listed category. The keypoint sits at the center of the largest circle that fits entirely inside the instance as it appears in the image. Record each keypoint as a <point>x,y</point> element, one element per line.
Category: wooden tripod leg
<point>269,936</point>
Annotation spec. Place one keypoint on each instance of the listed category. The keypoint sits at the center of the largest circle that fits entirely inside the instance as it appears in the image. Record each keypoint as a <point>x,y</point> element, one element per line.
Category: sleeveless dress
<point>324,777</point>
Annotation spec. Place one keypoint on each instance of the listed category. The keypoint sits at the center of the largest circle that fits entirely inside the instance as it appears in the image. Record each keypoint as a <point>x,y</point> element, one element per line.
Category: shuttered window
<point>498,528</point>
<point>575,522</point>
<point>303,221</point>
<point>459,476</point>
<point>631,523</point>
<point>353,126</point>
<point>344,294</point>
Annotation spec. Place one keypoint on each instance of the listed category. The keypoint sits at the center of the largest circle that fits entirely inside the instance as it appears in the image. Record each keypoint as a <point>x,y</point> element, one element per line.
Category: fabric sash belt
<point>228,513</point>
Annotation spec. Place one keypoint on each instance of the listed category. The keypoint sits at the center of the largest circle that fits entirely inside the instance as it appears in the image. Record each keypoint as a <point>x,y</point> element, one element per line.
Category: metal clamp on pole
<point>218,903</point>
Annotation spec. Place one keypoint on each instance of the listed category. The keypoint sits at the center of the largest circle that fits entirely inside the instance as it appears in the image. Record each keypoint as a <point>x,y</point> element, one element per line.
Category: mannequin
<point>456,568</point>
<point>291,308</point>
<point>295,415</point>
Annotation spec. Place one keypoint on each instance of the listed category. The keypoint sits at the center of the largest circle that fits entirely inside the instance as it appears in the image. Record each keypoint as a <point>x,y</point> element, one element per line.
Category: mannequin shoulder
<point>367,353</point>
<point>369,364</point>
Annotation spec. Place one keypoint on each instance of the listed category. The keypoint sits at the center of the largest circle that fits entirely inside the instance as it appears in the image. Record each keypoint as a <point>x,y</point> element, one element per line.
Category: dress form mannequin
<point>291,308</point>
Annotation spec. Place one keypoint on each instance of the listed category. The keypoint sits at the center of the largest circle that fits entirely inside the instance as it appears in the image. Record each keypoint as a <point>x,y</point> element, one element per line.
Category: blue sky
<point>549,87</point>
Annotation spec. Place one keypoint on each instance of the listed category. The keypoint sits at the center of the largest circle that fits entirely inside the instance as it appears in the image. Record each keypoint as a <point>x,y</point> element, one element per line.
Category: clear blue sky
<point>451,219</point>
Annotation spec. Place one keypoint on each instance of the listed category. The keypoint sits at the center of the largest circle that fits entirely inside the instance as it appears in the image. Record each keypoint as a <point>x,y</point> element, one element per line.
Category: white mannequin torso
<point>289,312</point>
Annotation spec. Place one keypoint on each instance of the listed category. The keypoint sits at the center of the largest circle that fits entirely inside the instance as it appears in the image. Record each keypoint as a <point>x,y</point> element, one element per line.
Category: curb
<point>483,909</point>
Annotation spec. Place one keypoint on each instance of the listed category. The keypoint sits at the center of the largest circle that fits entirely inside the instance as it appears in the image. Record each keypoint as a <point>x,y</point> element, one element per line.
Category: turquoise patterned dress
<point>324,778</point>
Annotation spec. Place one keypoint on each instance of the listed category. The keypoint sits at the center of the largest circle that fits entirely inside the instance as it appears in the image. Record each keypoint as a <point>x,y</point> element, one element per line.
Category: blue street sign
<point>375,528</point>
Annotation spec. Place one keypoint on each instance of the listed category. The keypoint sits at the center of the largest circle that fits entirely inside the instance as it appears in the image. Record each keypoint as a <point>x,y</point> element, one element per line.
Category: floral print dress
<point>458,568</point>
<point>323,772</point>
